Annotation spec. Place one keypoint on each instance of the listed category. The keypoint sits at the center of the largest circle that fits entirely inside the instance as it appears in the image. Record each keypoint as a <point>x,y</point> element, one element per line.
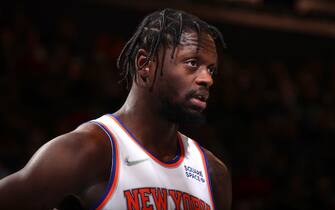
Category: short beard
<point>178,114</point>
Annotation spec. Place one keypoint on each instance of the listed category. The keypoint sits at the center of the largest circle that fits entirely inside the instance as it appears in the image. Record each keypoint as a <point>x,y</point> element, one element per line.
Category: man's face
<point>183,89</point>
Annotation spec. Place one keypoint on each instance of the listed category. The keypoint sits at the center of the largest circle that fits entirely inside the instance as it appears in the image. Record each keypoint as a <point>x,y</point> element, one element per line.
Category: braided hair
<point>161,29</point>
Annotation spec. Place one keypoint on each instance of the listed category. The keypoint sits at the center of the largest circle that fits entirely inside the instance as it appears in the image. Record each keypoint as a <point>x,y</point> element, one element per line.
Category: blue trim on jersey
<point>209,178</point>
<point>113,168</point>
<point>174,160</point>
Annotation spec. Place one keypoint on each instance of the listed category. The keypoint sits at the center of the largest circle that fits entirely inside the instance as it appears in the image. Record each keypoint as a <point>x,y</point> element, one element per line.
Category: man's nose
<point>204,78</point>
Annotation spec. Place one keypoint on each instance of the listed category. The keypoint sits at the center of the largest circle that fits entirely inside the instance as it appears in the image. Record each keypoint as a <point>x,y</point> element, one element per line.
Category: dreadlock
<point>161,29</point>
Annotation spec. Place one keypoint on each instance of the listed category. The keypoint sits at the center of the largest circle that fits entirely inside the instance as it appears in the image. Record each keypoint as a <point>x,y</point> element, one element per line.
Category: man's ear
<point>142,65</point>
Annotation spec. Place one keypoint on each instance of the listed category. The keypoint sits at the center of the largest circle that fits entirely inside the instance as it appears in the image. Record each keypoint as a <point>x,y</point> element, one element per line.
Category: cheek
<point>175,83</point>
<point>178,90</point>
<point>172,89</point>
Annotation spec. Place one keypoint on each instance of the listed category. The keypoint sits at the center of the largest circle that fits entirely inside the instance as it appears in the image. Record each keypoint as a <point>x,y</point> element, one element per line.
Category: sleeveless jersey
<point>139,180</point>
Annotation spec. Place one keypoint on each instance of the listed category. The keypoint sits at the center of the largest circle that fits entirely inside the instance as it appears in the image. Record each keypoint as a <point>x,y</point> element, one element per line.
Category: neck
<point>149,126</point>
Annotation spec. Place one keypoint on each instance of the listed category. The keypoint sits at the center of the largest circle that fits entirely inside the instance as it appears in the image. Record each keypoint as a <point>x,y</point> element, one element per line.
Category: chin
<point>193,117</point>
<point>185,116</point>
<point>182,113</point>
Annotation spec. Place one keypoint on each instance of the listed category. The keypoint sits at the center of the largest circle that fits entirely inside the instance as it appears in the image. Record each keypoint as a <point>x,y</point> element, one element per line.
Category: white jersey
<point>139,180</point>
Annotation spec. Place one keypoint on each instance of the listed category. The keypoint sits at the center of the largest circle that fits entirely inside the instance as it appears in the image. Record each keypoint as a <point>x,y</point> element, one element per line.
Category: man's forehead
<point>204,41</point>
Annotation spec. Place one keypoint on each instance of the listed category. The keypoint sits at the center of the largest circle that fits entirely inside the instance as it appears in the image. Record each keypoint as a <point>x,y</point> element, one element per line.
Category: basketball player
<point>136,158</point>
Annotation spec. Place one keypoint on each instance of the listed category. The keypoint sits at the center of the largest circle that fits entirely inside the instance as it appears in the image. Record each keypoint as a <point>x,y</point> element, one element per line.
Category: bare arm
<point>221,182</point>
<point>61,167</point>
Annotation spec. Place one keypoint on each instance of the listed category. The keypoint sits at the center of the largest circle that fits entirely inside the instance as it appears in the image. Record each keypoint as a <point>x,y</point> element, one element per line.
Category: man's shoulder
<point>88,135</point>
<point>213,161</point>
<point>215,164</point>
<point>90,131</point>
<point>85,148</point>
<point>68,164</point>
<point>220,181</point>
<point>85,143</point>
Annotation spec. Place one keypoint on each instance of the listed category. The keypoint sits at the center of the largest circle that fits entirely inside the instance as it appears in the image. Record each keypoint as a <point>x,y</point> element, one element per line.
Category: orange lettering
<point>202,205</point>
<point>195,203</point>
<point>145,198</point>
<point>186,201</point>
<point>139,199</point>
<point>159,196</point>
<point>132,199</point>
<point>176,196</point>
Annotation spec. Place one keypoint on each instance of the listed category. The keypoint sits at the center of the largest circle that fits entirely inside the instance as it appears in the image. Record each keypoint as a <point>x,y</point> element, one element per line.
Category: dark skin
<point>78,163</point>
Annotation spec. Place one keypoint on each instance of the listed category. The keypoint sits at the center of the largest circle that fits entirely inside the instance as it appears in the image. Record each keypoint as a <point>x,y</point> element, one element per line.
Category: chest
<point>147,185</point>
<point>139,180</point>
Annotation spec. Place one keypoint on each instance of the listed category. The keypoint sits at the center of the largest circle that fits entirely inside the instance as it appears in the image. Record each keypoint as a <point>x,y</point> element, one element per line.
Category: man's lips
<point>198,103</point>
<point>199,99</point>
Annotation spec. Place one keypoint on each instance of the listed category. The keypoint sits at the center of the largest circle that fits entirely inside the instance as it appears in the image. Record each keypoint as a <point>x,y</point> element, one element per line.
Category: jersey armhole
<point>114,171</point>
<point>205,162</point>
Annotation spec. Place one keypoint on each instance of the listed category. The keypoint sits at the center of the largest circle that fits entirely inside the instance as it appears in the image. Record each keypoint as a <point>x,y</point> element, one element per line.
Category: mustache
<point>194,93</point>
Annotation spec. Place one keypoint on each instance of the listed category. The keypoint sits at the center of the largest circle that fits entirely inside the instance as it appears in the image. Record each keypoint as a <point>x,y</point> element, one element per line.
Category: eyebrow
<point>193,53</point>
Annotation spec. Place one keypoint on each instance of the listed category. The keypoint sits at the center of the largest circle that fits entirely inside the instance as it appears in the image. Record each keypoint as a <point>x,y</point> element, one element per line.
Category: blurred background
<point>271,115</point>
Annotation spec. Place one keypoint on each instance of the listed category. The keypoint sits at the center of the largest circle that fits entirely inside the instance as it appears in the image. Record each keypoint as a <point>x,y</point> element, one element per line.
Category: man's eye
<point>192,63</point>
<point>212,70</point>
